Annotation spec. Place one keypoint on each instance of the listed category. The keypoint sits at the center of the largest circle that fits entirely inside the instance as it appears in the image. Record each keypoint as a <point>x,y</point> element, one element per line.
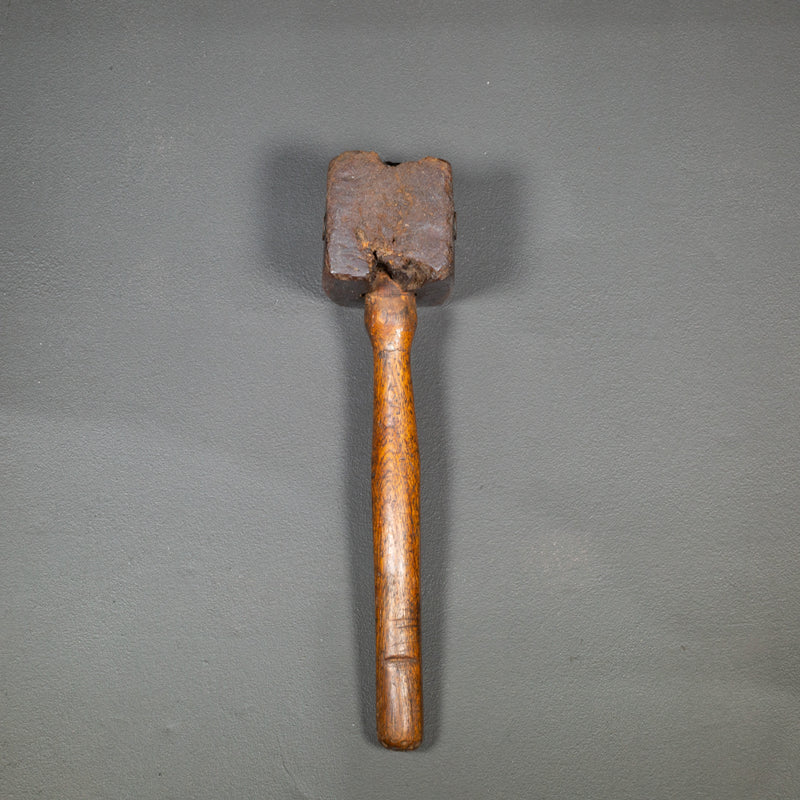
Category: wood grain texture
<point>391,317</point>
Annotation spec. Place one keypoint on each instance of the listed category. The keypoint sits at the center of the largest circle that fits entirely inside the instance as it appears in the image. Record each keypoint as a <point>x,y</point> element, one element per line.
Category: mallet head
<point>392,218</point>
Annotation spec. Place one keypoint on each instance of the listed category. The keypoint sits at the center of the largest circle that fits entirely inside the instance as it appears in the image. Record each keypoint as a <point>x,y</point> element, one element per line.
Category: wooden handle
<point>391,317</point>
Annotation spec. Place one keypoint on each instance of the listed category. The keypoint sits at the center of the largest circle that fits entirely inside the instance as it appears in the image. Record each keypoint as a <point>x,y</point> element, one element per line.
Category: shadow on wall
<point>488,208</point>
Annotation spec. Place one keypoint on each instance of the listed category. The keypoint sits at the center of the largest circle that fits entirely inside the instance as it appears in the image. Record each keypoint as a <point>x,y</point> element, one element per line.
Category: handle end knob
<point>399,703</point>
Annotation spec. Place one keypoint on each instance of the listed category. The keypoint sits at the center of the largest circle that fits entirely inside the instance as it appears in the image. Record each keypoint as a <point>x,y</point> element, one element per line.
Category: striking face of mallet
<point>393,218</point>
<point>389,233</point>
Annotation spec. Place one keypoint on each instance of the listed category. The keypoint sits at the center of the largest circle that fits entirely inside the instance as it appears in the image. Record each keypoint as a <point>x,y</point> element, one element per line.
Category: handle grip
<point>391,317</point>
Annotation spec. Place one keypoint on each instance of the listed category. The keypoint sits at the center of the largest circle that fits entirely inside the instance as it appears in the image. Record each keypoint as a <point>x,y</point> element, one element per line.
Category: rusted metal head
<point>392,218</point>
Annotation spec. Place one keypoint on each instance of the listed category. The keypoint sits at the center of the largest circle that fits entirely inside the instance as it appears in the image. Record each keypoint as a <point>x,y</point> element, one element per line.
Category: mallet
<point>389,231</point>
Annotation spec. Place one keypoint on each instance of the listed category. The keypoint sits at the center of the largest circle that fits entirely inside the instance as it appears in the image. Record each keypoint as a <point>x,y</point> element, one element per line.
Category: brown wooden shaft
<point>391,318</point>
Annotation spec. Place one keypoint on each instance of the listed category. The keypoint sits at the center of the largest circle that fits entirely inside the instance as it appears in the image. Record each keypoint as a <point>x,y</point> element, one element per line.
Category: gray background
<point>608,408</point>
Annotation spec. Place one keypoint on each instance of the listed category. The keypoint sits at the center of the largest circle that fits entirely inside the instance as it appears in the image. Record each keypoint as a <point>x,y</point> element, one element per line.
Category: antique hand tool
<point>389,231</point>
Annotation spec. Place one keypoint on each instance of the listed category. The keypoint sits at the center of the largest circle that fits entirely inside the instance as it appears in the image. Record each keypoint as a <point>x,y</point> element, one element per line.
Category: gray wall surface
<point>608,407</point>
